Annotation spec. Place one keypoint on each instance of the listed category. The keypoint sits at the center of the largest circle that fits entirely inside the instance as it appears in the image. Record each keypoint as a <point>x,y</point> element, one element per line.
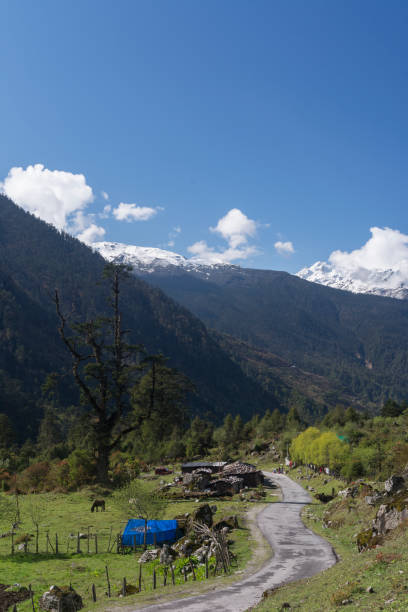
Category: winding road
<point>297,553</point>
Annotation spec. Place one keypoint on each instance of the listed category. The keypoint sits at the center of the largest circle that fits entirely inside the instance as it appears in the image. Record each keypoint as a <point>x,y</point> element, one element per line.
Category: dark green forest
<point>273,321</point>
<point>36,259</point>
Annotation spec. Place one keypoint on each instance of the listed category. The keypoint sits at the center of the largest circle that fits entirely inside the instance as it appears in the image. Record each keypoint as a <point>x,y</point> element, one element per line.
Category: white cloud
<point>379,266</point>
<point>235,227</point>
<point>171,243</point>
<point>52,195</point>
<point>132,212</point>
<point>284,248</point>
<point>105,195</point>
<point>387,249</point>
<point>203,253</point>
<point>93,233</point>
<point>106,211</point>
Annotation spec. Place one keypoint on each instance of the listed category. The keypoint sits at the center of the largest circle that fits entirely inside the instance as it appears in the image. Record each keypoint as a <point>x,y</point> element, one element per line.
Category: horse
<point>98,503</point>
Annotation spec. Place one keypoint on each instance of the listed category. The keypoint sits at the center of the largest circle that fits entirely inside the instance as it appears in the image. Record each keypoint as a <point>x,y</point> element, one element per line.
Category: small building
<point>192,466</point>
<point>248,473</point>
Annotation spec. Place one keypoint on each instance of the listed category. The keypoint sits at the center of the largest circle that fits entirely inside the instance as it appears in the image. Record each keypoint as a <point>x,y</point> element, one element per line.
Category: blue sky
<point>294,113</point>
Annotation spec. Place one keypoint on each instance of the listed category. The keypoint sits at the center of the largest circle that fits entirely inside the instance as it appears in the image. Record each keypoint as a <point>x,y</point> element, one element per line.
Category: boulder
<point>230,521</point>
<point>390,516</point>
<point>203,514</point>
<point>372,500</point>
<point>394,484</point>
<point>149,555</point>
<point>167,555</point>
<point>61,598</point>
<point>349,492</point>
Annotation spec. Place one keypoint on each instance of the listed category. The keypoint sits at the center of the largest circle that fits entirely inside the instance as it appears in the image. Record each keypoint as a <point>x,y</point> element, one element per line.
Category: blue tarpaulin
<point>165,531</point>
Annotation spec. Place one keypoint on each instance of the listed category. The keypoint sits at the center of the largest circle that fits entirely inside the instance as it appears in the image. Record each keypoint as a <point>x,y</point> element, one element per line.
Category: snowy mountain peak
<point>389,282</point>
<point>150,259</point>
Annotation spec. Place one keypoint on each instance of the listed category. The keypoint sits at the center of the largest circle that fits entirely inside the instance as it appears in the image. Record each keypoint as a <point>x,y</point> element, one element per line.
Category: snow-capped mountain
<point>150,259</point>
<point>389,283</point>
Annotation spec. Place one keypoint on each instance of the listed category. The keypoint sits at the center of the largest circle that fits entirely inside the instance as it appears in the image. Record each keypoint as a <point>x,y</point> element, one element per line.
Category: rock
<point>63,598</point>
<point>394,484</point>
<point>367,539</point>
<point>149,555</point>
<point>167,555</point>
<point>202,553</point>
<point>131,589</point>
<point>349,492</point>
<point>231,522</point>
<point>369,589</point>
<point>389,516</point>
<point>203,515</point>
<point>323,498</point>
<point>372,500</point>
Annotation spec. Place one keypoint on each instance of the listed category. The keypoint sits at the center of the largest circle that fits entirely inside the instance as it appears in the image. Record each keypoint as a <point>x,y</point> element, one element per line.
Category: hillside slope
<point>34,259</point>
<point>359,343</point>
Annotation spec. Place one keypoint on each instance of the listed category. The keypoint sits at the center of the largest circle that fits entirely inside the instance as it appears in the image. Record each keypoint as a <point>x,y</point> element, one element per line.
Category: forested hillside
<point>35,259</point>
<point>358,343</point>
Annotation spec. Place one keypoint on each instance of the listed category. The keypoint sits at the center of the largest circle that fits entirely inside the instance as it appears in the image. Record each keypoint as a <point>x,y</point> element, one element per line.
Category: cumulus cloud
<point>284,248</point>
<point>235,227</point>
<point>387,249</point>
<point>202,252</point>
<point>105,195</point>
<point>133,212</point>
<point>52,195</point>
<point>93,233</point>
<point>379,266</point>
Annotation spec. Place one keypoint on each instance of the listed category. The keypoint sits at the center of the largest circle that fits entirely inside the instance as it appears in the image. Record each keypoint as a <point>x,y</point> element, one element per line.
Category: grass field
<point>385,568</point>
<point>68,514</point>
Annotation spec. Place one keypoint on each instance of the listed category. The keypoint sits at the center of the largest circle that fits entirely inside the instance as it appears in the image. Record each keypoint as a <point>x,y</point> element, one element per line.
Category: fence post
<point>124,587</point>
<point>155,539</point>
<point>140,577</point>
<point>165,576</point>
<point>172,575</point>
<point>31,597</point>
<point>206,567</point>
<point>56,543</point>
<point>96,544</point>
<point>78,544</point>
<point>134,542</point>
<point>107,580</point>
<point>154,578</point>
<point>93,593</point>
<point>185,574</point>
<point>87,540</point>
<point>192,569</point>
<point>110,537</point>
<point>37,535</point>
<point>12,541</point>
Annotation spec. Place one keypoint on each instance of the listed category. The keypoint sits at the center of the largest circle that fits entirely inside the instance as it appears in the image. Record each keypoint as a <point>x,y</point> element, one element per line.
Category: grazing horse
<point>98,503</point>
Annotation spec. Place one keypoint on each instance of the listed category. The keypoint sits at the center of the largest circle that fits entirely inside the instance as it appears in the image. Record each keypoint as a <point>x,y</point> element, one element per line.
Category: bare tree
<point>105,368</point>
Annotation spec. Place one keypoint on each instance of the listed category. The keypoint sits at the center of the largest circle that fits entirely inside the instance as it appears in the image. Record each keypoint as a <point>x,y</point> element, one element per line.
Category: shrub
<point>34,477</point>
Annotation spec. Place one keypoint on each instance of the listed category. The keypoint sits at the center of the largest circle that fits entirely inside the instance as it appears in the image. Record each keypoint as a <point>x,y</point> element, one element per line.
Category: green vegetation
<point>383,568</point>
<point>69,514</point>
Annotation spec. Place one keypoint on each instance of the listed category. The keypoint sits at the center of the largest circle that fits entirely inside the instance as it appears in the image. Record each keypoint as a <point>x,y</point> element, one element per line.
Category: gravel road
<point>297,553</point>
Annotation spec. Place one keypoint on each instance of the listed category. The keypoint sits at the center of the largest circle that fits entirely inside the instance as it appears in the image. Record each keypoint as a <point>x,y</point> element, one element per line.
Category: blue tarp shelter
<point>165,531</point>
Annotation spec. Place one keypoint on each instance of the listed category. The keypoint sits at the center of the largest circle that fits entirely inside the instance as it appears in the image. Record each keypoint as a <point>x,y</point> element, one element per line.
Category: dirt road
<point>297,553</point>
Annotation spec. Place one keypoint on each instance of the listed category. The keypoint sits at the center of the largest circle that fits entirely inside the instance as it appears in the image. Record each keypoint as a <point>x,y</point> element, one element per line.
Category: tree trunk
<point>102,463</point>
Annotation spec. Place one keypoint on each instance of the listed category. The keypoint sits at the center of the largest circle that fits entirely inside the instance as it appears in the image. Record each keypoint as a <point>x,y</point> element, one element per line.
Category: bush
<point>34,477</point>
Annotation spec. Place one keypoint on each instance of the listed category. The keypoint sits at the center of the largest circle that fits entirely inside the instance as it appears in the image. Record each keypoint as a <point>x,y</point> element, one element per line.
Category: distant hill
<point>330,344</point>
<point>34,259</point>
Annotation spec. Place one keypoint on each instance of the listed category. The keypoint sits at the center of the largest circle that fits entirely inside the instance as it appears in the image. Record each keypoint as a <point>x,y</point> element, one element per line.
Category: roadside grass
<point>384,568</point>
<point>69,513</point>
